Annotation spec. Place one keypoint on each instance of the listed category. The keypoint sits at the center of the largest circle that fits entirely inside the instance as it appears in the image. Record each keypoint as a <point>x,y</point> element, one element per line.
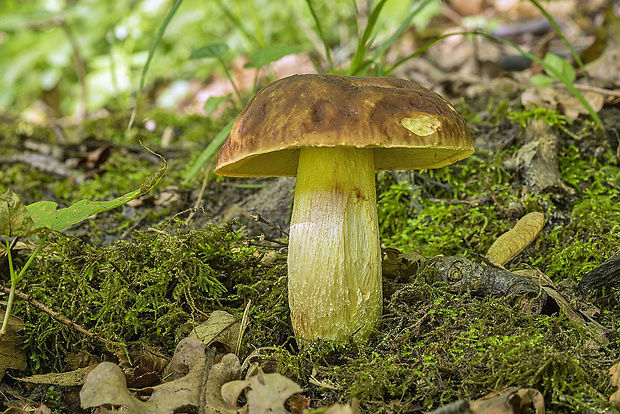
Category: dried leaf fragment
<point>514,400</point>
<point>514,241</point>
<point>221,327</point>
<point>106,384</point>
<point>14,218</point>
<point>12,356</point>
<point>217,401</point>
<point>614,371</point>
<point>267,394</point>
<point>65,379</point>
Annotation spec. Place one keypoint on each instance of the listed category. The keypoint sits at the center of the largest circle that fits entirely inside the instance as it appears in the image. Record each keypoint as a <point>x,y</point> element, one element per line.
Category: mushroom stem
<point>334,259</point>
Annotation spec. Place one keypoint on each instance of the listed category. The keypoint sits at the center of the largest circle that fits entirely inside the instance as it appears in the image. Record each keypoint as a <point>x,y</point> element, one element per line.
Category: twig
<point>60,318</point>
<point>243,326</point>
<point>433,182</point>
<point>259,219</point>
<point>602,91</point>
<point>205,180</point>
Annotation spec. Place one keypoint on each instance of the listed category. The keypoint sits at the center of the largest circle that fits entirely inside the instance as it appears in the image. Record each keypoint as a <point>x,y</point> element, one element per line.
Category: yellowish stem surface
<point>334,259</point>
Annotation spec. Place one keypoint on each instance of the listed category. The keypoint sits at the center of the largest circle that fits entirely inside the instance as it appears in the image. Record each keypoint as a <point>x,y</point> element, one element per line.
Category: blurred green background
<point>39,40</point>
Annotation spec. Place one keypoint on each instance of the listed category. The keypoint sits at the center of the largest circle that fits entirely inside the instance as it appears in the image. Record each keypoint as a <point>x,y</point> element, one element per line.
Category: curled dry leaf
<point>42,409</point>
<point>267,394</point>
<point>106,384</point>
<point>614,371</point>
<point>226,371</point>
<point>514,400</point>
<point>511,401</point>
<point>511,243</point>
<point>555,97</point>
<point>12,356</point>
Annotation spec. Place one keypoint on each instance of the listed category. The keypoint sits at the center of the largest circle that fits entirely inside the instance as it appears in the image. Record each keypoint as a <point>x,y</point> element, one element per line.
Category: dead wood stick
<point>60,318</point>
<point>257,217</point>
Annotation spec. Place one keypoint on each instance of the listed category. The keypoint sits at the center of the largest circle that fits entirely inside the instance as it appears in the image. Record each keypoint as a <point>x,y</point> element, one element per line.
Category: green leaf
<point>14,218</point>
<point>541,81</point>
<point>265,56</point>
<point>213,102</point>
<point>211,51</point>
<point>45,214</point>
<point>561,66</point>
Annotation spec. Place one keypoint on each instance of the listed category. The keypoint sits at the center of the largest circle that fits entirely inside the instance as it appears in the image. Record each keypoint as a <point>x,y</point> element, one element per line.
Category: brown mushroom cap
<point>407,125</point>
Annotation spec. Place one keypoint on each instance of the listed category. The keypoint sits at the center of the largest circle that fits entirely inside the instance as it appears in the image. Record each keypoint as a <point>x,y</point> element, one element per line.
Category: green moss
<point>435,347</point>
<point>591,234</point>
<point>457,210</point>
<point>134,291</point>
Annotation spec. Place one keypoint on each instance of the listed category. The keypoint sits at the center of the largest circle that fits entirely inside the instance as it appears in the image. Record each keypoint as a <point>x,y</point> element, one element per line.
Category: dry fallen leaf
<point>106,384</point>
<point>267,394</point>
<point>65,379</point>
<point>614,371</point>
<point>602,68</point>
<point>555,97</point>
<point>352,408</point>
<point>511,401</point>
<point>42,409</point>
<point>12,356</point>
<point>226,371</point>
<point>511,243</point>
<point>221,327</point>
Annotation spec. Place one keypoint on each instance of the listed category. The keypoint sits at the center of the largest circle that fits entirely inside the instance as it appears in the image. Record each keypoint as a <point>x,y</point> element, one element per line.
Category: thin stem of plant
<point>16,278</point>
<point>11,292</point>
<point>230,79</point>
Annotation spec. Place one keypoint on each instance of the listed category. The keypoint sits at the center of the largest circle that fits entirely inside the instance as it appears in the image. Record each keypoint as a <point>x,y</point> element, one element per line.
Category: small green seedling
<point>557,65</point>
<point>43,217</point>
<point>217,51</point>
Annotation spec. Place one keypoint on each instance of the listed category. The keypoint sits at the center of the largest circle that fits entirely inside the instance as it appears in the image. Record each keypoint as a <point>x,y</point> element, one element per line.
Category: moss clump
<point>590,232</point>
<point>137,291</point>
<point>435,347</point>
<point>457,210</point>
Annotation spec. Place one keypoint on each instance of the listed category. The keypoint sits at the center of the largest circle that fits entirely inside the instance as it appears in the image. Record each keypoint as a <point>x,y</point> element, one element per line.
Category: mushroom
<point>333,133</point>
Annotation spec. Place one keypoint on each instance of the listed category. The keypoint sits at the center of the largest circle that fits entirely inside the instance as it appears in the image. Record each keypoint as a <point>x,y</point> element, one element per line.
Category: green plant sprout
<point>360,64</point>
<point>551,117</point>
<point>216,51</point>
<point>43,217</point>
<point>559,32</point>
<point>556,68</point>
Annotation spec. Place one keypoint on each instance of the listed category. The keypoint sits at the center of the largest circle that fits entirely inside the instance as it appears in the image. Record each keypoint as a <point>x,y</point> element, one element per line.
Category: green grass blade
<point>423,49</point>
<point>319,29</point>
<point>147,65</point>
<point>363,45</point>
<point>209,151</point>
<point>561,34</point>
<point>403,26</point>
